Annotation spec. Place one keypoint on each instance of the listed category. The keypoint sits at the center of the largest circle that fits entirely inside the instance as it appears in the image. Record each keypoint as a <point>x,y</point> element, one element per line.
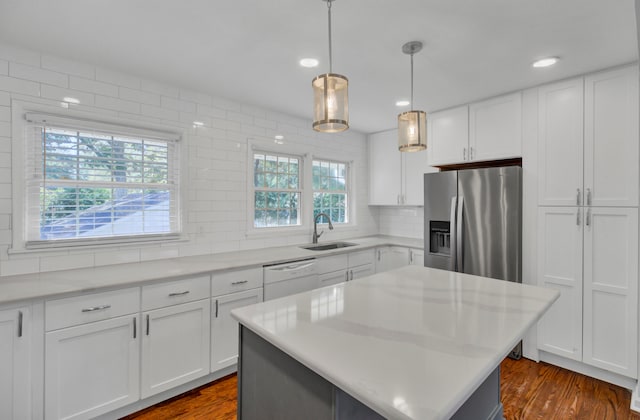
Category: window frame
<point>90,121</point>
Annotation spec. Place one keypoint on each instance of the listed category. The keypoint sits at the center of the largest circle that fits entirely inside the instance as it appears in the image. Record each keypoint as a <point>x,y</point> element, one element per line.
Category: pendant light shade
<point>330,96</point>
<point>412,133</point>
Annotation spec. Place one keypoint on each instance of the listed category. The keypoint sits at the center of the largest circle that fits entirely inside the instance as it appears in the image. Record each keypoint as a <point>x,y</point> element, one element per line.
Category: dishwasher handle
<point>292,267</point>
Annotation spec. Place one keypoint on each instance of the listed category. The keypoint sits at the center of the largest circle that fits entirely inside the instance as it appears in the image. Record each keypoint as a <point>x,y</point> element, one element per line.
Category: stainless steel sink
<point>330,245</point>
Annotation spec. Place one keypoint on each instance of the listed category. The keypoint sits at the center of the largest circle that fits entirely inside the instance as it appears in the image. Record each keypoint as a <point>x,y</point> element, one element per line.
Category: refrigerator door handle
<point>459,229</point>
<point>452,234</point>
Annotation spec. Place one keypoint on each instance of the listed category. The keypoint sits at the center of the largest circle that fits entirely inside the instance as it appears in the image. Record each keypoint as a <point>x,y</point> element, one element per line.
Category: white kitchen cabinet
<point>416,256</point>
<point>345,267</point>
<point>588,140</point>
<point>175,345</point>
<point>495,128</point>
<point>224,329</point>
<point>448,136</point>
<point>590,256</point>
<point>92,369</point>
<point>611,289</point>
<point>390,257</point>
<point>15,366</point>
<point>395,178</point>
<point>482,131</point>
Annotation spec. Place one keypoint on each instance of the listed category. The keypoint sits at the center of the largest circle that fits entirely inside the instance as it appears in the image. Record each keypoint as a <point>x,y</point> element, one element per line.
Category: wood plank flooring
<point>529,391</point>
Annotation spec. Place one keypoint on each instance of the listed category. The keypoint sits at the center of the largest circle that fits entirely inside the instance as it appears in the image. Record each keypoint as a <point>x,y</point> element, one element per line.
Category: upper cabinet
<point>395,178</point>
<point>588,140</point>
<point>482,131</point>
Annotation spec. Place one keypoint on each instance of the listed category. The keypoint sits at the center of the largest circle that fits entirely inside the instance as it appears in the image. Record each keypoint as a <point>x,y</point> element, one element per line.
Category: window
<point>330,189</point>
<point>277,192</point>
<point>107,182</point>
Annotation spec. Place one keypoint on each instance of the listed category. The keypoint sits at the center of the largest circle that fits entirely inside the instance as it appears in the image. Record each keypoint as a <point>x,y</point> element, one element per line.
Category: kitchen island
<point>412,343</point>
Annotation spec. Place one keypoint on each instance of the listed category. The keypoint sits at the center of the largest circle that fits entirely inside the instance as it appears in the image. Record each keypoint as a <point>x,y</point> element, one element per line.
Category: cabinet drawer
<point>234,281</point>
<point>361,257</point>
<point>332,263</point>
<point>66,312</point>
<point>175,292</point>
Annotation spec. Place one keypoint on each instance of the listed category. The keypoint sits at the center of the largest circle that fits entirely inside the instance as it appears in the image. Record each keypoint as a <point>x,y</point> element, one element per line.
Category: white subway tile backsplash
<point>5,161</point>
<point>120,256</point>
<point>5,99</point>
<point>117,78</point>
<point>93,86</point>
<point>139,96</point>
<point>160,88</point>
<point>4,67</point>
<point>70,67</point>
<point>36,74</point>
<point>179,105</point>
<point>13,85</point>
<point>117,104</point>
<point>19,55</point>
<point>5,129</point>
<point>66,262</point>
<point>19,266</point>
<point>57,93</point>
<point>211,111</point>
<point>162,113</point>
<point>197,97</point>
<point>5,113</point>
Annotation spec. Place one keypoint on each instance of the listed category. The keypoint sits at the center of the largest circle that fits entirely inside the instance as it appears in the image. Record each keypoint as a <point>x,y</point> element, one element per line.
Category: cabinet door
<point>560,268</point>
<point>611,138</point>
<point>448,136</point>
<point>175,346</point>
<point>15,373</point>
<point>332,278</point>
<point>92,369</point>
<point>385,169</point>
<point>560,143</point>
<point>416,257</point>
<point>361,271</point>
<point>611,289</point>
<point>414,166</point>
<point>495,128</point>
<point>390,257</point>
<point>224,329</point>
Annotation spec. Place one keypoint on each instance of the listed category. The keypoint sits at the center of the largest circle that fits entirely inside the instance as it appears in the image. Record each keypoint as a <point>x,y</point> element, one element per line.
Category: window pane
<point>330,189</point>
<point>279,181</point>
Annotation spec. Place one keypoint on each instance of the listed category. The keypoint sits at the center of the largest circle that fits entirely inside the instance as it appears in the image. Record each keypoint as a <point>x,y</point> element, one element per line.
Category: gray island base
<point>274,386</point>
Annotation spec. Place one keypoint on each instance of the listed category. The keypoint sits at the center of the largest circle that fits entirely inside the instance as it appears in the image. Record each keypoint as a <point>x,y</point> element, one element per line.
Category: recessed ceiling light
<point>309,62</point>
<point>71,100</point>
<point>402,103</point>
<point>545,62</point>
<point>198,123</point>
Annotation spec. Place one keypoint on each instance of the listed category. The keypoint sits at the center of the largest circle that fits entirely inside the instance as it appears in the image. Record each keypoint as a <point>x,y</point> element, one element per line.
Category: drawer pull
<point>135,327</point>
<point>19,324</point>
<point>96,308</point>
<point>147,324</point>
<point>239,282</point>
<point>216,308</point>
<point>178,293</point>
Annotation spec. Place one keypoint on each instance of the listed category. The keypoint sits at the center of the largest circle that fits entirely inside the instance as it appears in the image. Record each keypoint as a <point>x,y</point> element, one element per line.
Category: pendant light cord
<point>411,105</point>
<point>330,58</point>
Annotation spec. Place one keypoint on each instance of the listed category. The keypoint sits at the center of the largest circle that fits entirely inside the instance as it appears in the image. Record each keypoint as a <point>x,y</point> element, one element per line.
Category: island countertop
<point>412,343</point>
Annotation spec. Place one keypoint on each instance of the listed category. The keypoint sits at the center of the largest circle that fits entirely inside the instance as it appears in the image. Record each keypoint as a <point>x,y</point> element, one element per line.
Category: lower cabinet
<point>345,267</point>
<point>224,329</point>
<point>92,369</point>
<point>390,257</point>
<point>15,367</point>
<point>175,346</point>
<point>416,257</point>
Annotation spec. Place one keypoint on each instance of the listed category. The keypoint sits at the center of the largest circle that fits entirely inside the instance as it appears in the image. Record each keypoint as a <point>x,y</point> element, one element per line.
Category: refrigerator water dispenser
<point>440,242</point>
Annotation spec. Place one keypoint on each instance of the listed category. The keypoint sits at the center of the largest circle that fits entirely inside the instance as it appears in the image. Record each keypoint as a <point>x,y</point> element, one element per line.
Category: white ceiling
<point>248,50</point>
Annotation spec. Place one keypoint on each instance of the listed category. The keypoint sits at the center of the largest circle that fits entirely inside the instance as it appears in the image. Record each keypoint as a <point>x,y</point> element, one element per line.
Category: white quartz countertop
<point>412,343</point>
<point>42,285</point>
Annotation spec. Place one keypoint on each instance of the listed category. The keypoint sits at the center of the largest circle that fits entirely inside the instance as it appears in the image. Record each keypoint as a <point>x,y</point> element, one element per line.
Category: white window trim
<point>306,186</point>
<point>20,109</point>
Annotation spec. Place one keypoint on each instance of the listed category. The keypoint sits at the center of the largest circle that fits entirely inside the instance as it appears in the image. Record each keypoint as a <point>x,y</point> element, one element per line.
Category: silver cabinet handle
<point>464,153</point>
<point>285,268</point>
<point>470,153</point>
<point>452,234</point>
<point>398,199</point>
<point>148,329</point>
<point>588,221</point>
<point>216,308</point>
<point>351,274</point>
<point>179,293</point>
<point>459,235</point>
<point>578,218</point>
<point>239,282</point>
<point>96,308</point>
<point>378,255</point>
<point>588,196</point>
<point>578,197</point>
<point>410,256</point>
<point>135,328</point>
<point>346,275</point>
<point>20,316</point>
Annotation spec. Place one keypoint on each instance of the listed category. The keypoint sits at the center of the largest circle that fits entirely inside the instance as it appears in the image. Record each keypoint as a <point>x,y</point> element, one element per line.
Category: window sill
<point>97,244</point>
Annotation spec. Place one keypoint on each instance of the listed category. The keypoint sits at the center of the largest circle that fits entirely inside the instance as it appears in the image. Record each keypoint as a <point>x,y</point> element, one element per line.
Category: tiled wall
<point>401,221</point>
<point>216,155</point>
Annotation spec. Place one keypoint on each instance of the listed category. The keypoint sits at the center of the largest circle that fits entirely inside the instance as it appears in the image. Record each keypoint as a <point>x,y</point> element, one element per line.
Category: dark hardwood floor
<point>529,391</point>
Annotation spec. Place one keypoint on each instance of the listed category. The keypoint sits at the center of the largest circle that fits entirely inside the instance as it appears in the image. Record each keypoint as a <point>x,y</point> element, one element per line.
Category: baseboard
<point>155,399</point>
<point>594,372</point>
<point>635,398</point>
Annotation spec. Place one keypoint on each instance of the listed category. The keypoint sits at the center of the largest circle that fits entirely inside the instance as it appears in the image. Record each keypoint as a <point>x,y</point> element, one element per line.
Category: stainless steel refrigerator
<point>473,222</point>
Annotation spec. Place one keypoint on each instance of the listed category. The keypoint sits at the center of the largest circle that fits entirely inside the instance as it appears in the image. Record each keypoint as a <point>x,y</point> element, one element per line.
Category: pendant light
<point>412,133</point>
<point>331,96</point>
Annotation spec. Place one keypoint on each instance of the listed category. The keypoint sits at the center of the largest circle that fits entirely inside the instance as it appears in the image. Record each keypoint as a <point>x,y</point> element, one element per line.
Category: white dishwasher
<point>290,278</point>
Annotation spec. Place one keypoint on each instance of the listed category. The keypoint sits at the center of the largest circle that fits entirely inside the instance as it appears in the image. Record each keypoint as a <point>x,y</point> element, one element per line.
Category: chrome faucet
<point>316,235</point>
